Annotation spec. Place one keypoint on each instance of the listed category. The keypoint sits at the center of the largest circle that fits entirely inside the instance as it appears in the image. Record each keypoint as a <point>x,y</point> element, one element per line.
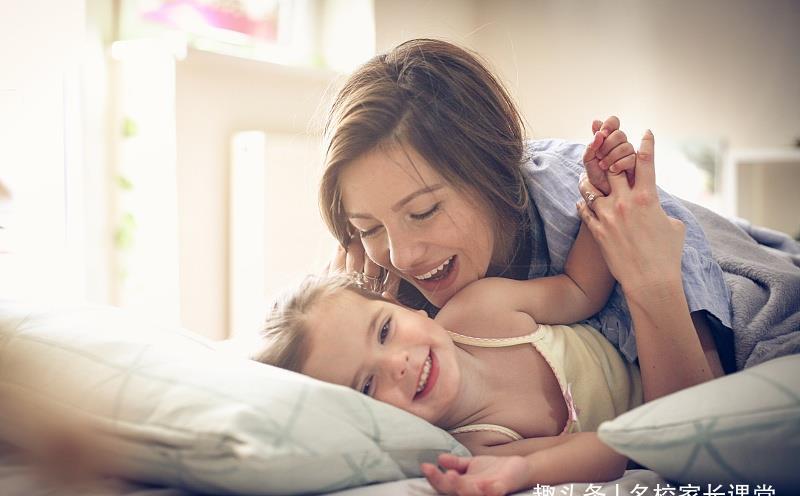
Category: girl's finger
<point>626,163</point>
<point>610,125</point>
<point>596,125</point>
<point>435,477</point>
<point>614,139</point>
<point>453,462</point>
<point>617,153</point>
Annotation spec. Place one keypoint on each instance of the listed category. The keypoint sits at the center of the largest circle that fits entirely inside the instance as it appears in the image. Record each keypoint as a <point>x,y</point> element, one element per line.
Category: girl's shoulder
<point>483,310</point>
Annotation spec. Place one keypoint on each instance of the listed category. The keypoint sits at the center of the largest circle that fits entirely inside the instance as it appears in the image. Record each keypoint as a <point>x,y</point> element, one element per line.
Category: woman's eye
<point>365,389</point>
<point>384,333</point>
<point>369,232</point>
<point>426,214</point>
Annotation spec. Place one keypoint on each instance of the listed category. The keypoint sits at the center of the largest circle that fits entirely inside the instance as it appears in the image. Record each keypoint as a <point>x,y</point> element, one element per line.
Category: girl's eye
<point>384,332</point>
<point>427,214</point>
<point>365,389</point>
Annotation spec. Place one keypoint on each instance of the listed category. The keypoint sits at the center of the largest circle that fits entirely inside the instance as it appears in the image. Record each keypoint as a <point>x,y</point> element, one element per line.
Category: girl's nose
<point>396,365</point>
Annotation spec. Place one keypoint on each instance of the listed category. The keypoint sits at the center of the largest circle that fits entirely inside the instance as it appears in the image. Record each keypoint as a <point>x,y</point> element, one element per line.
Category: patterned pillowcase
<point>741,428</point>
<point>176,412</point>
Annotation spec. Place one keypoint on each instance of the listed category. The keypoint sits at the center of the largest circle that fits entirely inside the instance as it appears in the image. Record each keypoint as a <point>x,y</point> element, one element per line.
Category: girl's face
<point>415,224</point>
<point>394,354</point>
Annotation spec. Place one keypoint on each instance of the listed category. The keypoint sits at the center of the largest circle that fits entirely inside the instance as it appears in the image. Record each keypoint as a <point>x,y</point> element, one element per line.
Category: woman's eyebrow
<point>428,189</point>
<point>397,206</point>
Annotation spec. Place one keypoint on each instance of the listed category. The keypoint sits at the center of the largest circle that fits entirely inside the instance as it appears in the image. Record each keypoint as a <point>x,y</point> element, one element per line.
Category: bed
<point>165,412</point>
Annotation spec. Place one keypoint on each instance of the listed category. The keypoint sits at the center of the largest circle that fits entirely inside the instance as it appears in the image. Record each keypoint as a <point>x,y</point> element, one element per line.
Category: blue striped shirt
<point>552,170</point>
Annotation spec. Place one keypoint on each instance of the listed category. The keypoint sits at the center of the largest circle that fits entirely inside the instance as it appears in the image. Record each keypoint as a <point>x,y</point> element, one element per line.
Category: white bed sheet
<point>18,478</point>
<point>623,486</point>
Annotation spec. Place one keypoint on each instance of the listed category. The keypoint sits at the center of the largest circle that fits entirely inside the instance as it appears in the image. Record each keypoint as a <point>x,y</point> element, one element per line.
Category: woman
<point>511,205</point>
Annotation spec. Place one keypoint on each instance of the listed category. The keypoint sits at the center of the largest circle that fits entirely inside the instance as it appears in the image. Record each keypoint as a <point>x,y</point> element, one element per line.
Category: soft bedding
<point>762,270</point>
<point>17,478</point>
<point>176,413</point>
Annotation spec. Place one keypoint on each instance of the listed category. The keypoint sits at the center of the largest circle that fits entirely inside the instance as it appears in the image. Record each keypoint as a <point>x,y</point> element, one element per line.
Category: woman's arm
<point>510,467</point>
<point>643,247</point>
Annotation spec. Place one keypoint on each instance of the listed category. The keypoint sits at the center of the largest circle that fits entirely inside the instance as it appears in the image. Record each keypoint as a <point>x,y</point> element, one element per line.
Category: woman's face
<point>415,224</point>
<point>394,354</point>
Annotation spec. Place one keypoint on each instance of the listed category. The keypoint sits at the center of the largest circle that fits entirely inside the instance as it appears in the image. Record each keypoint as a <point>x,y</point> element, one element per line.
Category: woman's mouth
<point>428,376</point>
<point>440,277</point>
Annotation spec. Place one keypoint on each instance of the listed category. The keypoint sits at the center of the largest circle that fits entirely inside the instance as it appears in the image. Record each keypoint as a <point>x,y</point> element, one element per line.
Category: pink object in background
<point>239,16</point>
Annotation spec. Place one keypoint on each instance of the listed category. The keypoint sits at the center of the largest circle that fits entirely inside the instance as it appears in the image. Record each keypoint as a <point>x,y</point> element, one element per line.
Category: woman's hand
<point>373,276</point>
<point>641,245</point>
<point>480,475</point>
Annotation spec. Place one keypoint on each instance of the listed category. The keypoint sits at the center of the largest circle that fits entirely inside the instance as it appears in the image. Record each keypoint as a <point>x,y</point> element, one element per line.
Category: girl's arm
<point>577,294</point>
<point>510,467</point>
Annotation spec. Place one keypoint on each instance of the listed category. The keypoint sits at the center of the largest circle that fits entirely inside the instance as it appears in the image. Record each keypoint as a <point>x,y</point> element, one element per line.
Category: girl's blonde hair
<point>440,100</point>
<point>286,329</point>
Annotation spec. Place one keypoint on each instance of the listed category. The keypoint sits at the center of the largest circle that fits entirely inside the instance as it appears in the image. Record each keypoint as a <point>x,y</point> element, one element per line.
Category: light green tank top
<point>596,382</point>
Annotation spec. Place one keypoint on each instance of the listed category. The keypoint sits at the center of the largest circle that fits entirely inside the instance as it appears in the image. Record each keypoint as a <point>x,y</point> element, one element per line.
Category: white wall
<point>40,149</point>
<point>215,97</point>
<point>715,69</point>
<point>726,68</point>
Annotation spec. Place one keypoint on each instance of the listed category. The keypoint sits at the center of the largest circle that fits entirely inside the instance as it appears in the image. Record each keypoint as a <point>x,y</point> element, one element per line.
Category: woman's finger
<point>645,161</point>
<point>355,256</point>
<point>391,287</point>
<point>588,192</point>
<point>596,125</point>
<point>337,263</point>
<point>596,176</point>
<point>371,269</point>
<point>588,217</point>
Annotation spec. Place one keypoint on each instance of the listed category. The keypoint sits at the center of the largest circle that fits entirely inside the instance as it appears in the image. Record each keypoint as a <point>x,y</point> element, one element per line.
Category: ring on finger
<point>590,198</point>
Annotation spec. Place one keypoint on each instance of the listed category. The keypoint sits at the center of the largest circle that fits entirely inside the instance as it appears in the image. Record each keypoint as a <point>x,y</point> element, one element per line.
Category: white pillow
<point>176,412</point>
<point>744,427</point>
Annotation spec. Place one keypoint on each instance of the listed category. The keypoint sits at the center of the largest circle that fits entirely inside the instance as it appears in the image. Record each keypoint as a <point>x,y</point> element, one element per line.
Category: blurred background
<point>164,155</point>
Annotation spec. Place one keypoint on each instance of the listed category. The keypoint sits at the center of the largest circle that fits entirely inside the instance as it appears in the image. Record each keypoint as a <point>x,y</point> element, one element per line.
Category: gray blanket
<point>764,280</point>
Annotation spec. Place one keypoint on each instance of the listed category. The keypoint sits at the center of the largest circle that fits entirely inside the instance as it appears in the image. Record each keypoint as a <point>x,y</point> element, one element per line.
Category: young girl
<point>520,395</point>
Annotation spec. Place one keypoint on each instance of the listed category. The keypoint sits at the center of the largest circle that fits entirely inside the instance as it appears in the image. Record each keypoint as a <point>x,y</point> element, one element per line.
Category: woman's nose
<point>406,251</point>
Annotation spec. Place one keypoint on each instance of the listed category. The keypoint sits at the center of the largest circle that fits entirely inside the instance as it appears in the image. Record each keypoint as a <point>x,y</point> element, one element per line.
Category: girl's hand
<point>480,475</point>
<point>609,150</point>
<point>641,245</point>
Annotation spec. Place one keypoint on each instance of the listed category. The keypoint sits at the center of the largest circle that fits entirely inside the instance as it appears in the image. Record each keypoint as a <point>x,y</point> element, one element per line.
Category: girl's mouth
<point>428,377</point>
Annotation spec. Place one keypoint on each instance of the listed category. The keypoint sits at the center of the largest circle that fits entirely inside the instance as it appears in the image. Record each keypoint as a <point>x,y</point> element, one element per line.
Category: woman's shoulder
<point>483,309</point>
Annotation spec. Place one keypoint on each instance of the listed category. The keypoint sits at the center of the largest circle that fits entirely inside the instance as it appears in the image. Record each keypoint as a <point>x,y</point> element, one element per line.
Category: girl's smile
<point>394,354</point>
